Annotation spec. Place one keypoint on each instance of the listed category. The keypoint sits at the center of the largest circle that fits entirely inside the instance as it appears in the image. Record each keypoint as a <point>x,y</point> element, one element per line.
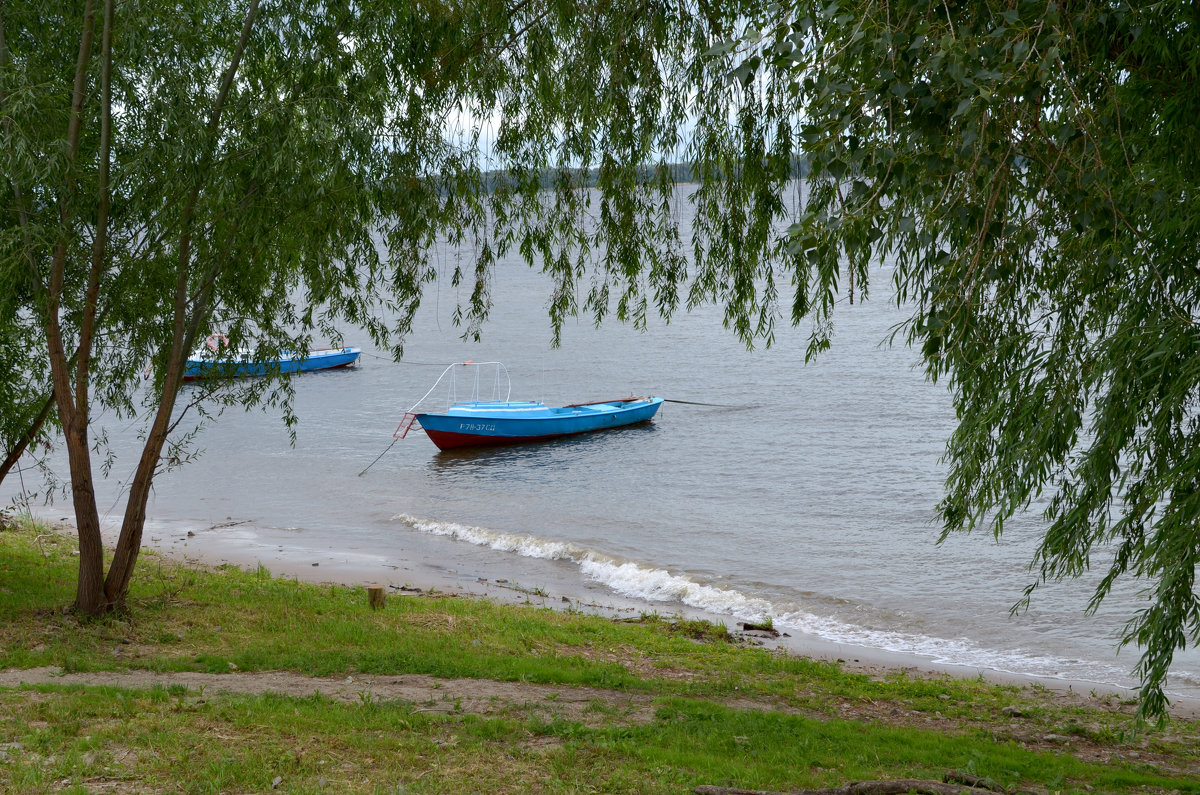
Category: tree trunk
<point>125,554</point>
<point>89,593</point>
<point>129,543</point>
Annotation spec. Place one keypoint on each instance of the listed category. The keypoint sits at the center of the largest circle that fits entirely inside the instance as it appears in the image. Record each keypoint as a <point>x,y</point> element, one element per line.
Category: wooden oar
<point>629,399</point>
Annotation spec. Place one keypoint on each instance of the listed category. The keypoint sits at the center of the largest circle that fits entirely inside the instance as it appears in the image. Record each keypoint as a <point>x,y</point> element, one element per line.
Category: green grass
<point>719,712</point>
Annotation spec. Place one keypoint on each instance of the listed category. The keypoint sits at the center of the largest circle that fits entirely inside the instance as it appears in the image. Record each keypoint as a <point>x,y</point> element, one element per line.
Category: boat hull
<point>323,359</point>
<point>491,423</point>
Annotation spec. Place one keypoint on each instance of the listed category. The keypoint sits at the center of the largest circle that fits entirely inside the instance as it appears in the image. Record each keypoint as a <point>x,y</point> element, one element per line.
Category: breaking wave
<point>639,581</point>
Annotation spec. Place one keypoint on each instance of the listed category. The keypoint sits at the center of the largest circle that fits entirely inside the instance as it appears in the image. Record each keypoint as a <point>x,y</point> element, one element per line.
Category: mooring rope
<point>402,361</point>
<point>696,403</point>
<point>381,455</point>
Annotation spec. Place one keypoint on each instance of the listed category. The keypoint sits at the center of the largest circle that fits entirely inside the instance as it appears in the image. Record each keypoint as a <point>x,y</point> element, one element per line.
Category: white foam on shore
<point>647,583</point>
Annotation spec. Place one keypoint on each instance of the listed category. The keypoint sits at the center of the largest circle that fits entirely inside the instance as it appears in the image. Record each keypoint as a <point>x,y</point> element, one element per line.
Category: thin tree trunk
<point>87,326</point>
<point>129,543</point>
<point>74,417</point>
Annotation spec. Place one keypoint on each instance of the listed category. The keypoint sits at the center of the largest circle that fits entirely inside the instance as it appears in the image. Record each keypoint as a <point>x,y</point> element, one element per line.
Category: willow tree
<point>275,170</point>
<point>1030,171</point>
<point>1027,168</point>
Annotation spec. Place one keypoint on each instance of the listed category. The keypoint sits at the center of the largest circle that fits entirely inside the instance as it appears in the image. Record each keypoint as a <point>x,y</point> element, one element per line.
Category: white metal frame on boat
<point>500,382</point>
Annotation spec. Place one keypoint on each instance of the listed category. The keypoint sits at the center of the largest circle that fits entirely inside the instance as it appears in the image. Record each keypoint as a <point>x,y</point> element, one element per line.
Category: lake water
<point>806,495</point>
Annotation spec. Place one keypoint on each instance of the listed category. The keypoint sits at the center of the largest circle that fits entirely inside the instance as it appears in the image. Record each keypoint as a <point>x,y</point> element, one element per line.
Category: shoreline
<point>247,546</point>
<point>442,693</point>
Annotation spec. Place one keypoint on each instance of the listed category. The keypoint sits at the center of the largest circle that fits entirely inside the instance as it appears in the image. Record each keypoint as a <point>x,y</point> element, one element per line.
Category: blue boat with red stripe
<point>480,423</point>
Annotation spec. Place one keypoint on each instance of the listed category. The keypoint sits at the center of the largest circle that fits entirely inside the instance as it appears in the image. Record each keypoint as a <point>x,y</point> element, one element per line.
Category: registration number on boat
<point>476,426</point>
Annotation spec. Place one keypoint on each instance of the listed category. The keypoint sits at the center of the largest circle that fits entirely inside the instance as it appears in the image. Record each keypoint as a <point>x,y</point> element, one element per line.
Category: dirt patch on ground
<point>587,705</point>
<point>473,696</point>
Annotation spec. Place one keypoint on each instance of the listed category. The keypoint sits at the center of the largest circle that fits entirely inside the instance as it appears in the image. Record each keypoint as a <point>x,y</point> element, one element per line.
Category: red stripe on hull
<point>447,440</point>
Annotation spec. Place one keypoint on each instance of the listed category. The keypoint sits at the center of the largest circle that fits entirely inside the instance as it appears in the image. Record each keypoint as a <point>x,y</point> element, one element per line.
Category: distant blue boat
<point>220,361</point>
<point>477,423</point>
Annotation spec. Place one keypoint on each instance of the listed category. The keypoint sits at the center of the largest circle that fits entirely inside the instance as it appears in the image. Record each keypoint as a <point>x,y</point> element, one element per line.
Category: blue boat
<point>477,423</point>
<point>217,360</point>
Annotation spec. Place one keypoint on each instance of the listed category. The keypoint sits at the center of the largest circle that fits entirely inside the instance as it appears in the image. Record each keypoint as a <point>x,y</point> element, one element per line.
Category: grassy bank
<point>220,680</point>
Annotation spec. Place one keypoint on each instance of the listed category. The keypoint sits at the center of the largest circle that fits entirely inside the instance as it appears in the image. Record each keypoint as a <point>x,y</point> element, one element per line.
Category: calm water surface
<point>808,495</point>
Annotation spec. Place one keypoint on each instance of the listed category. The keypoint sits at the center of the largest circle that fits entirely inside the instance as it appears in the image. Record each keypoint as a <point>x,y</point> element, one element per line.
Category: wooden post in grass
<point>376,596</point>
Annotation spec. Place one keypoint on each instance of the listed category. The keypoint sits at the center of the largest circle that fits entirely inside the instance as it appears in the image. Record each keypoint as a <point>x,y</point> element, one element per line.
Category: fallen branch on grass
<point>954,783</point>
